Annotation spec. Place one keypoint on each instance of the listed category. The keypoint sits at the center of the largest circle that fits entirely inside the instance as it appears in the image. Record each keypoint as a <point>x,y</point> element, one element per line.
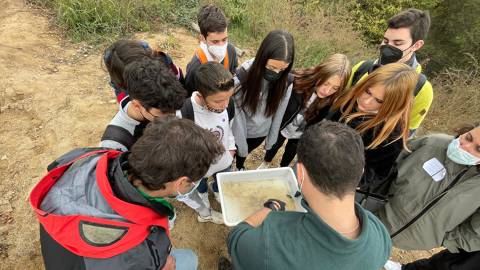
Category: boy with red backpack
<point>104,209</point>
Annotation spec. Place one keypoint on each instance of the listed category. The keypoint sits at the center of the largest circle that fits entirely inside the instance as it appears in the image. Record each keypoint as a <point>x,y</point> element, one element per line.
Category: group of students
<point>108,207</point>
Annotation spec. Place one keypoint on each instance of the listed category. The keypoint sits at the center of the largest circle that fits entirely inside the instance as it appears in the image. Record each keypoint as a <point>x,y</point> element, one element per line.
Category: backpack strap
<point>422,79</point>
<point>187,110</point>
<point>226,61</point>
<point>362,69</point>
<point>200,54</point>
<point>119,134</point>
<point>231,110</point>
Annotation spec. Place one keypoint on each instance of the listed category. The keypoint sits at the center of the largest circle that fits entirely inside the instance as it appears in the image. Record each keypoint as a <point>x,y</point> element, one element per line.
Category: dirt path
<point>54,97</point>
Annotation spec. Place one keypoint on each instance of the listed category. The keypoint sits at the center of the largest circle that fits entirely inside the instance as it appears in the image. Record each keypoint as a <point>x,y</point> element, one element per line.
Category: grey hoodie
<point>245,125</point>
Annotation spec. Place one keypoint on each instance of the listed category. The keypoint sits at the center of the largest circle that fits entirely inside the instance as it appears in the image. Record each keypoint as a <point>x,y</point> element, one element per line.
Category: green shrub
<point>454,36</point>
<point>98,20</point>
<point>370,16</point>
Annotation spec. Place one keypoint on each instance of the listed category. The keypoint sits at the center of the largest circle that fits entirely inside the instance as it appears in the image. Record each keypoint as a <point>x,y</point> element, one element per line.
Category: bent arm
<point>465,236</point>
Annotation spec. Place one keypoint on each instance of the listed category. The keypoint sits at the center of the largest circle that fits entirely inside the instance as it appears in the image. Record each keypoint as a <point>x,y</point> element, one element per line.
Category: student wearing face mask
<point>313,88</point>
<point>214,45</point>
<point>153,91</point>
<point>404,36</point>
<point>263,90</point>
<point>106,209</point>
<point>212,108</point>
<point>378,108</point>
<point>434,200</point>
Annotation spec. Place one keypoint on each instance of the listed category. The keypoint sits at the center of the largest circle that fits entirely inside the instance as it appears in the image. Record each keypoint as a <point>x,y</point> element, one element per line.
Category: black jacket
<point>295,104</point>
<point>379,162</point>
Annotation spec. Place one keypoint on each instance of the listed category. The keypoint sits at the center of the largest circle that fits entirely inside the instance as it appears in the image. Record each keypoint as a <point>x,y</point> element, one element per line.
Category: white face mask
<point>300,184</point>
<point>460,156</point>
<point>218,51</point>
<point>182,197</point>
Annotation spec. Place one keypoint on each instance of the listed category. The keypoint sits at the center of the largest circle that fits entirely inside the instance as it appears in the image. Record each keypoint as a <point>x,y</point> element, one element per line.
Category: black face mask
<point>389,54</point>
<point>271,75</point>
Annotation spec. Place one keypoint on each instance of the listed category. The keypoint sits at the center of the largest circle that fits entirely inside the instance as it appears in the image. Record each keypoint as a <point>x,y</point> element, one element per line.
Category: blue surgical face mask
<point>460,156</point>
<point>181,197</point>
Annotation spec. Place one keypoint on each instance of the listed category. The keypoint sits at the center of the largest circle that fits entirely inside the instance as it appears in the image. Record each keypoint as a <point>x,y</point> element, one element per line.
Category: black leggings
<point>288,155</point>
<point>446,260</point>
<point>252,143</point>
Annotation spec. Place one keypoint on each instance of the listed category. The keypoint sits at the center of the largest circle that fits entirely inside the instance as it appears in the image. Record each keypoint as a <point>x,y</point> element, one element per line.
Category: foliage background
<point>320,27</point>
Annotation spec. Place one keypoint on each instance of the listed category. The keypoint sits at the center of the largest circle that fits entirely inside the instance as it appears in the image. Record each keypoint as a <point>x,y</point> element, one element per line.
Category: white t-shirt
<point>219,125</point>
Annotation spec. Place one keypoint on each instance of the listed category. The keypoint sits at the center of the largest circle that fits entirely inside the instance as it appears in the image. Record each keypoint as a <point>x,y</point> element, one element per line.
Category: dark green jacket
<point>293,240</point>
<point>454,221</point>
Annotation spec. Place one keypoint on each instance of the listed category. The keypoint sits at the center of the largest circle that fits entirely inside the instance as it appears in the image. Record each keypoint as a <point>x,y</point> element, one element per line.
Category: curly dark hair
<point>171,148</point>
<point>154,86</point>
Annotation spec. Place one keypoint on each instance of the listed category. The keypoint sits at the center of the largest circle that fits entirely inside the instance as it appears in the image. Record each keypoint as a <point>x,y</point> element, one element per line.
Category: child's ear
<point>418,45</point>
<point>202,38</point>
<point>136,104</point>
<point>181,181</point>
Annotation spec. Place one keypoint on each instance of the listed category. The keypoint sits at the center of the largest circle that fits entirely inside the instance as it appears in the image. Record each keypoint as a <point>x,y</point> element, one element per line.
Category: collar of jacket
<point>124,190</point>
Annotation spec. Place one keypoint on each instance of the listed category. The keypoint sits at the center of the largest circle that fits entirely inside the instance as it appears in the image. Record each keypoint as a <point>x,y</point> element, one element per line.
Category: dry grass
<point>456,99</point>
<point>318,31</point>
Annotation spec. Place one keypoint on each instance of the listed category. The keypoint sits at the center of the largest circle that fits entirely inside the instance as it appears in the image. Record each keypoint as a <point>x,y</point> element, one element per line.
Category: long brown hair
<point>278,45</point>
<point>399,80</point>
<point>308,79</point>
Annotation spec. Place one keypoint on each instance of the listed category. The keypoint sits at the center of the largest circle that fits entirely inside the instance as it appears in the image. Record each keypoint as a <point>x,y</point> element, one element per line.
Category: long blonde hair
<point>307,80</point>
<point>399,80</point>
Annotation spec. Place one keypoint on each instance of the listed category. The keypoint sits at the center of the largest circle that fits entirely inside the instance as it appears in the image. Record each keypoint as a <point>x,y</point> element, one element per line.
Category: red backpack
<point>79,233</point>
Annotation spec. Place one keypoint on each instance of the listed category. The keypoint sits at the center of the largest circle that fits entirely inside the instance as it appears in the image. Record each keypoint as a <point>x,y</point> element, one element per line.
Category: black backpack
<point>368,66</point>
<point>187,110</point>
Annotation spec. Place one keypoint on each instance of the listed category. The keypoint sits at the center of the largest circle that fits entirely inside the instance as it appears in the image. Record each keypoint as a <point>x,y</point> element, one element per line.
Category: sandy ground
<point>54,97</point>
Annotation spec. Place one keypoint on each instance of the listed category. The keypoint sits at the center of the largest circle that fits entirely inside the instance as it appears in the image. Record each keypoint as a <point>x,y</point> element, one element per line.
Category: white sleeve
<point>231,138</point>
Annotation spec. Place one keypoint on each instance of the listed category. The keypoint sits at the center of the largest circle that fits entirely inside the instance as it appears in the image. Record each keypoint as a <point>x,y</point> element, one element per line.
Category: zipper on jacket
<point>291,118</point>
<point>430,204</point>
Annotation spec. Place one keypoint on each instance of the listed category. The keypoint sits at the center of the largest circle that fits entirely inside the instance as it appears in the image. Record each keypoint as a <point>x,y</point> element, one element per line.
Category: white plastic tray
<point>277,174</point>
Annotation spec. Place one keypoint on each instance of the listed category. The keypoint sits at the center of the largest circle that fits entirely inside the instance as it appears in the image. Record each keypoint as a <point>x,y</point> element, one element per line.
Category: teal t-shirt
<point>293,240</point>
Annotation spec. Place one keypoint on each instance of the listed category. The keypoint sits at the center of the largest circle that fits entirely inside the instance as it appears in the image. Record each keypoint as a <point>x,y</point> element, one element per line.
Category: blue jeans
<point>203,187</point>
<point>185,259</point>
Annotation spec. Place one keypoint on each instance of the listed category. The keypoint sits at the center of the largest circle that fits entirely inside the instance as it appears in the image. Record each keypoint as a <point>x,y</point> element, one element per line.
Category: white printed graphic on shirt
<point>218,132</point>
<point>218,124</point>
